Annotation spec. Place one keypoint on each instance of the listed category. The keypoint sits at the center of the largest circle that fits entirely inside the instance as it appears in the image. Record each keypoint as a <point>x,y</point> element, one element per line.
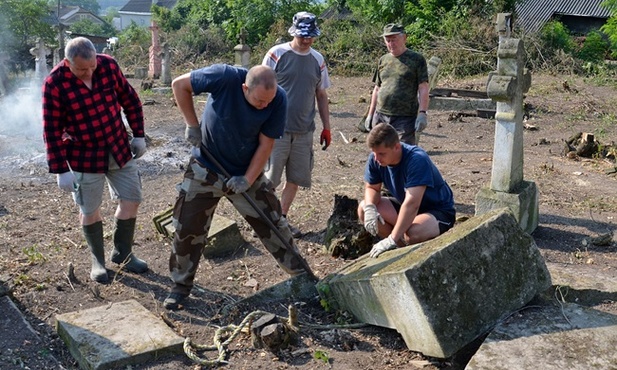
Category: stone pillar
<point>506,87</point>
<point>166,65</point>
<point>40,66</point>
<point>242,51</point>
<point>154,68</point>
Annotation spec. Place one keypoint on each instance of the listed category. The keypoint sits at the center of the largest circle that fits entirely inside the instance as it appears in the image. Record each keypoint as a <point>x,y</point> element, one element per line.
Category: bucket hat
<point>304,25</point>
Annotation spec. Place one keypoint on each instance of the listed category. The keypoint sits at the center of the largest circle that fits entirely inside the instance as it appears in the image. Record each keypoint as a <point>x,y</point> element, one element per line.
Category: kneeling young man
<point>421,206</point>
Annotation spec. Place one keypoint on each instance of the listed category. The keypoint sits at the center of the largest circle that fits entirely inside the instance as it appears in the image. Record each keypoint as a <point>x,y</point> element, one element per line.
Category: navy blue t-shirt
<point>414,169</point>
<point>230,126</point>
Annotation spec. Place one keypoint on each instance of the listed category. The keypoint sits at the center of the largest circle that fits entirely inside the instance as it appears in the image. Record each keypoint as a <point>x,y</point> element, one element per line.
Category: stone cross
<point>506,86</point>
<point>154,68</point>
<point>166,65</point>
<point>242,51</point>
<point>40,54</point>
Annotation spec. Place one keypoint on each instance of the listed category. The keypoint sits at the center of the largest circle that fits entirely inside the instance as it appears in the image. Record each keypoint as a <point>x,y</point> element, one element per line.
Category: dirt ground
<point>40,235</point>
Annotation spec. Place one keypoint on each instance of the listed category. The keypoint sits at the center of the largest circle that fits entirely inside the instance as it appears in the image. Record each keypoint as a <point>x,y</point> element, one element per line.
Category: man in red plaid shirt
<point>87,145</point>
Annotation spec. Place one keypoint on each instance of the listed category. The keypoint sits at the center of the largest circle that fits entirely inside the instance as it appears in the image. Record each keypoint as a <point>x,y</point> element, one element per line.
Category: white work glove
<point>384,245</point>
<point>238,184</point>
<point>368,122</point>
<point>371,219</point>
<point>138,146</point>
<point>421,122</point>
<point>67,182</point>
<point>192,134</point>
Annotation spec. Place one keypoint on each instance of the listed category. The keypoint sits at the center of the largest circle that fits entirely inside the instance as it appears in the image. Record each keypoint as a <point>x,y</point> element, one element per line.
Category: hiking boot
<point>174,300</point>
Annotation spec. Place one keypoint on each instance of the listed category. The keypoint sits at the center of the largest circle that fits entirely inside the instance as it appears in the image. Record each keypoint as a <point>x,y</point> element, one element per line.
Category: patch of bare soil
<point>40,235</point>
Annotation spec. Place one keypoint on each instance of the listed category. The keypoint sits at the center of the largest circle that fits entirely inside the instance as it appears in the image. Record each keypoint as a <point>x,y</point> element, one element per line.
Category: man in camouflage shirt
<point>400,96</point>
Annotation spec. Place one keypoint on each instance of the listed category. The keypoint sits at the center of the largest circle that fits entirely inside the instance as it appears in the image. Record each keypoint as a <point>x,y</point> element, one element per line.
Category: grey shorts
<point>294,153</point>
<point>124,183</point>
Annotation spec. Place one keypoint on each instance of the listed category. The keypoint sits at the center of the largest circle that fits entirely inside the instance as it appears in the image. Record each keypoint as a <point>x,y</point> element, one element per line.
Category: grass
<point>33,254</point>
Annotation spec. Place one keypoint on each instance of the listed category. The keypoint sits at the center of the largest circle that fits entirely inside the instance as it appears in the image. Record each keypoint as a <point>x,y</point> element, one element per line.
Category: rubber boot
<point>123,247</point>
<point>94,237</point>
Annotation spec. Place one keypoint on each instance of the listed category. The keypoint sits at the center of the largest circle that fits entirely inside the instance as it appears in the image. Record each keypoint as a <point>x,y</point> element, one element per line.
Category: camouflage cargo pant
<point>198,197</point>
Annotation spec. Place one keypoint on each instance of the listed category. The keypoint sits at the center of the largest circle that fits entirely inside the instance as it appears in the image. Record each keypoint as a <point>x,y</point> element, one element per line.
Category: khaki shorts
<point>294,153</point>
<point>124,183</point>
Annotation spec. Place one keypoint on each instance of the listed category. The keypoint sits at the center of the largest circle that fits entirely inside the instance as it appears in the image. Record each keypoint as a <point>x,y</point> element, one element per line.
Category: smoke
<point>21,120</point>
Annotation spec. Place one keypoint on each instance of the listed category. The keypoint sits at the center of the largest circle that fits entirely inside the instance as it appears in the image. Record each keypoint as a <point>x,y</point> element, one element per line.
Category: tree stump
<point>345,236</point>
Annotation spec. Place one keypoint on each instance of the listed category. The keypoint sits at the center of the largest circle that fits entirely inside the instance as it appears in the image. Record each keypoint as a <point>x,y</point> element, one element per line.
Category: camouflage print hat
<point>304,25</point>
<point>392,29</point>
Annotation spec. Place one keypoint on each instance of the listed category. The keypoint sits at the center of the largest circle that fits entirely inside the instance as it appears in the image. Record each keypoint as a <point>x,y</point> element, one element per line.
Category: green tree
<point>23,21</point>
<point>610,27</point>
<point>87,27</point>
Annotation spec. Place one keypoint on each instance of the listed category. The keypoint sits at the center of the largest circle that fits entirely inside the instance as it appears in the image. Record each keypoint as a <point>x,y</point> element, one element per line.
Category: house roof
<point>144,6</point>
<point>65,13</point>
<point>531,15</point>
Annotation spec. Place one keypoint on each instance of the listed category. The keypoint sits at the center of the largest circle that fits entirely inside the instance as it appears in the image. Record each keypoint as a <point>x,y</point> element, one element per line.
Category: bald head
<point>261,75</point>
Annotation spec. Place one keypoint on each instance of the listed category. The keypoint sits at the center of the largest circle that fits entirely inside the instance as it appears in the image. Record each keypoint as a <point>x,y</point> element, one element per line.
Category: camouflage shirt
<point>398,79</point>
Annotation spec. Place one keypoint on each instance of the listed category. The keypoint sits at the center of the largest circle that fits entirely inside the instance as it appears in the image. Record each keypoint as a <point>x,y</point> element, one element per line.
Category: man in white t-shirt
<point>302,72</point>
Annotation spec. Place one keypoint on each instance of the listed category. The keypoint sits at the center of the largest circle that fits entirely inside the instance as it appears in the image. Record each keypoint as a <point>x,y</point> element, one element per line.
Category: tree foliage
<point>23,21</point>
<point>87,27</point>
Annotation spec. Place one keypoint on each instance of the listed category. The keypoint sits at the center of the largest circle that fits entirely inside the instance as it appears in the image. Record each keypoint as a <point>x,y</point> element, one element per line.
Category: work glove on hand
<point>238,184</point>
<point>371,219</point>
<point>138,146</point>
<point>384,245</point>
<point>325,139</point>
<point>67,182</point>
<point>193,135</point>
<point>421,122</point>
<point>368,122</point>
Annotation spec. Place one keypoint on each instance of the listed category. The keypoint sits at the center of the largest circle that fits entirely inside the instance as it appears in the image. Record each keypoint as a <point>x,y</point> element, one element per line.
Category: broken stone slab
<point>587,285</point>
<point>555,337</point>
<point>116,335</point>
<point>460,104</point>
<point>224,236</point>
<point>442,294</point>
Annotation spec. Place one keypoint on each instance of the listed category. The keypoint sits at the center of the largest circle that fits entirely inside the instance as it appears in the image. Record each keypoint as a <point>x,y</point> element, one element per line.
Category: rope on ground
<point>221,347</point>
<point>190,348</point>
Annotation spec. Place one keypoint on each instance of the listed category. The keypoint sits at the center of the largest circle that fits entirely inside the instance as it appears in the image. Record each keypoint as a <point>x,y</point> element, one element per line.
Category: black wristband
<point>423,111</point>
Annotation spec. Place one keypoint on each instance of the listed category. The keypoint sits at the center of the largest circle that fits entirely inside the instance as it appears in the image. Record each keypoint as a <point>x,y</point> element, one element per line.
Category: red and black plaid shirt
<point>83,126</point>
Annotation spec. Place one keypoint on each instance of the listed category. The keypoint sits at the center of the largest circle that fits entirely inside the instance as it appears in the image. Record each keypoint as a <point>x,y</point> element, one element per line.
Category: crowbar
<point>263,216</point>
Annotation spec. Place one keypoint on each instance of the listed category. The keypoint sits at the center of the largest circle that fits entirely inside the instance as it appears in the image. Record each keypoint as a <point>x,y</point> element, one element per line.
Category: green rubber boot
<point>123,250</point>
<point>94,237</point>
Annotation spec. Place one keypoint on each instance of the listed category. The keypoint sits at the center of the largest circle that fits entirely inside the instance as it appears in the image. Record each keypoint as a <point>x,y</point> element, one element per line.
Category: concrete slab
<point>587,285</point>
<point>571,337</point>
<point>116,335</point>
<point>460,104</point>
<point>444,293</point>
<point>224,236</point>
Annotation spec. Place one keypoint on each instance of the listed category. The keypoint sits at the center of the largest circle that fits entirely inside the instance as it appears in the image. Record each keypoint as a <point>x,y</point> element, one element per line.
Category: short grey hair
<point>79,47</point>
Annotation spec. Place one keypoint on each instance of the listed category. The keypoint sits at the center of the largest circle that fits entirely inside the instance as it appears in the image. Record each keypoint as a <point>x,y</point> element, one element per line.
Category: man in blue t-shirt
<point>421,206</point>
<point>244,114</point>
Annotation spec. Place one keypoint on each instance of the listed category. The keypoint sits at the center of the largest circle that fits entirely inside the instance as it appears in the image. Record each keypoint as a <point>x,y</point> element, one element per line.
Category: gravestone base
<point>523,204</point>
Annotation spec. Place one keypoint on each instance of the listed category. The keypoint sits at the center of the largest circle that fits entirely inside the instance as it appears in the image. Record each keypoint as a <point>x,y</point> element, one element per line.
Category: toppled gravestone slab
<point>443,293</point>
<point>116,335</point>
<point>553,337</point>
